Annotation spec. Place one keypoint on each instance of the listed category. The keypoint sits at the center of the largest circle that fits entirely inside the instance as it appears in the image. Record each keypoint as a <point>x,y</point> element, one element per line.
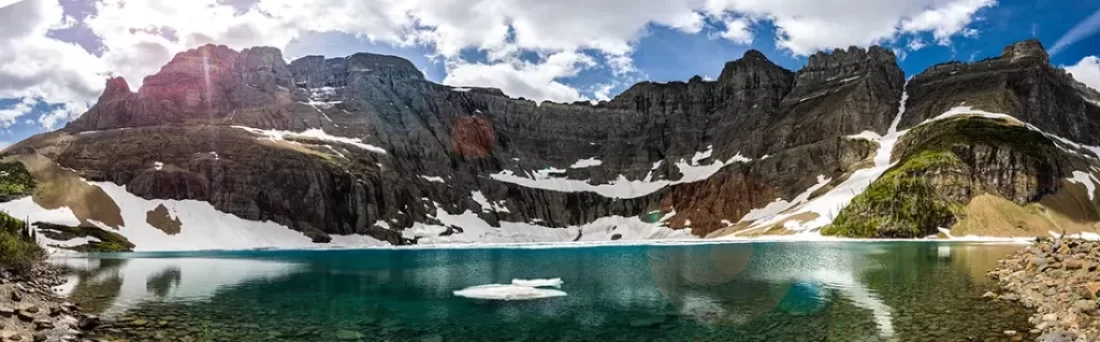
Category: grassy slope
<point>901,203</point>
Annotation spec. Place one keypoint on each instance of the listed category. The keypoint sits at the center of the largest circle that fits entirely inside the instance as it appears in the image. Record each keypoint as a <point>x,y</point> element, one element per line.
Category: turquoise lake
<point>766,291</point>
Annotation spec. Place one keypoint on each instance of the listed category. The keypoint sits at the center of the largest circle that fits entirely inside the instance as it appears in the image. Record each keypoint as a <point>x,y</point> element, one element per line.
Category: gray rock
<point>1085,305</point>
<point>88,322</point>
<point>1057,337</point>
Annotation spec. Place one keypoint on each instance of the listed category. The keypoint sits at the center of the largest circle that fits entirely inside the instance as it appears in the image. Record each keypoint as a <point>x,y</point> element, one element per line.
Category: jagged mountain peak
<point>1031,48</point>
<point>754,54</point>
<point>116,87</point>
<point>852,55</point>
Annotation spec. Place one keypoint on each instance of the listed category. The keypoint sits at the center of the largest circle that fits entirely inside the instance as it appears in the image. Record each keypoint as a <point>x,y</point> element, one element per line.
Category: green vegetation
<point>108,242</point>
<point>18,250</point>
<point>900,204</point>
<point>15,181</point>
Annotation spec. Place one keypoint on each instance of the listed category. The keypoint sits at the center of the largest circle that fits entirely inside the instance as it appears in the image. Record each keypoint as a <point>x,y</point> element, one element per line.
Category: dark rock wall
<point>799,120</point>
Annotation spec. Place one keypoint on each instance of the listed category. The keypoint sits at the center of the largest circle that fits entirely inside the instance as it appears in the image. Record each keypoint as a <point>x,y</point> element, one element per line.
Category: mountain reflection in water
<point>839,291</point>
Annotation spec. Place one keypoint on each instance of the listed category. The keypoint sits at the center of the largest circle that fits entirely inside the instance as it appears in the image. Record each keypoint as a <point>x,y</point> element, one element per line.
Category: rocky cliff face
<point>366,145</point>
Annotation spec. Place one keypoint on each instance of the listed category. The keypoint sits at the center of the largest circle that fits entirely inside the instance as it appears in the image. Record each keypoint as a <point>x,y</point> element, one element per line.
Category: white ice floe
<point>1086,179</point>
<point>436,179</point>
<point>507,292</point>
<point>621,187</point>
<point>552,282</point>
<point>312,133</point>
<point>583,163</point>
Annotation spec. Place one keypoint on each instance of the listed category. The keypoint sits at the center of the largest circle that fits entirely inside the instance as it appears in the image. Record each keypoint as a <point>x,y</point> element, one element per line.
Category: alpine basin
<point>766,291</point>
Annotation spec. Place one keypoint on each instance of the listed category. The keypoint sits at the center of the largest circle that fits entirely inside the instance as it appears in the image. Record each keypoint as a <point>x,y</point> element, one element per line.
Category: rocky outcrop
<point>406,149</point>
<point>1021,82</point>
<point>943,165</point>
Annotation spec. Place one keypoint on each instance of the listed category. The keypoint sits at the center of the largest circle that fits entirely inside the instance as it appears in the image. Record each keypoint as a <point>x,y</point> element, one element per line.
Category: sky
<point>55,55</point>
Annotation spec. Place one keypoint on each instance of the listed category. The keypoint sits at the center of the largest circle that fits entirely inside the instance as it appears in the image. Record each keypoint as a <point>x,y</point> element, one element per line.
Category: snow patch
<point>970,111</point>
<point>312,133</point>
<point>158,166</point>
<point>780,205</point>
<point>476,230</point>
<point>583,163</point>
<point>486,205</point>
<point>865,135</point>
<point>203,226</point>
<point>435,179</point>
<point>461,90</point>
<point>1086,179</point>
<point>620,187</point>
<point>1082,235</point>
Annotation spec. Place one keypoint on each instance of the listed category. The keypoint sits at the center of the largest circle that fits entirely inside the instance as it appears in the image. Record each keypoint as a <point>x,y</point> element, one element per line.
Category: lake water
<point>767,291</point>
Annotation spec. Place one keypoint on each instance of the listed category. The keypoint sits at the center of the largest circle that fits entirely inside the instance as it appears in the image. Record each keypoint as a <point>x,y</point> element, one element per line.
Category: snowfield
<point>203,227</point>
<point>312,133</point>
<point>621,187</point>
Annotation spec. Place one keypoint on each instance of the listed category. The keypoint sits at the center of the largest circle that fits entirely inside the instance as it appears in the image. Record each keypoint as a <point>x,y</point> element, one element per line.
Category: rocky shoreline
<point>31,311</point>
<point>1060,280</point>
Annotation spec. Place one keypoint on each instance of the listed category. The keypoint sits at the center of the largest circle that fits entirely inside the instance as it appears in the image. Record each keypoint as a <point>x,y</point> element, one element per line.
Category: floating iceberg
<point>519,289</point>
<point>555,282</point>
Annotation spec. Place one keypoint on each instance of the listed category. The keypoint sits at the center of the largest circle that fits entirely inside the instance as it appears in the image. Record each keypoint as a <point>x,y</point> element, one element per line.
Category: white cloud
<point>602,92</point>
<point>915,44</point>
<point>1082,30</point>
<point>807,26</point>
<point>947,19</point>
<point>138,37</point>
<point>9,115</point>
<point>1087,71</point>
<point>518,78</point>
<point>902,55</point>
<point>35,67</point>
<point>738,31</point>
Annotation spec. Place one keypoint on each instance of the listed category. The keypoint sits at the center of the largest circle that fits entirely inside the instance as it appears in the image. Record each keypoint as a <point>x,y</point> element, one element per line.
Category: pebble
<point>1057,279</point>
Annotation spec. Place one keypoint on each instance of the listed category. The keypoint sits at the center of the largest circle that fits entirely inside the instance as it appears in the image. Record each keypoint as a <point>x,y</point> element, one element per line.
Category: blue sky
<point>55,54</point>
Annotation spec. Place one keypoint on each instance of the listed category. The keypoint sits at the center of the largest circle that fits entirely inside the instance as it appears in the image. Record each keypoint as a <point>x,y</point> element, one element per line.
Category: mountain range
<point>226,149</point>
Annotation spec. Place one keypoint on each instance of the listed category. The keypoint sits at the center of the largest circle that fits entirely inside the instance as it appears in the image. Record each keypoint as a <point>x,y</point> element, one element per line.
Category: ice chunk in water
<point>555,282</point>
<point>507,292</point>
